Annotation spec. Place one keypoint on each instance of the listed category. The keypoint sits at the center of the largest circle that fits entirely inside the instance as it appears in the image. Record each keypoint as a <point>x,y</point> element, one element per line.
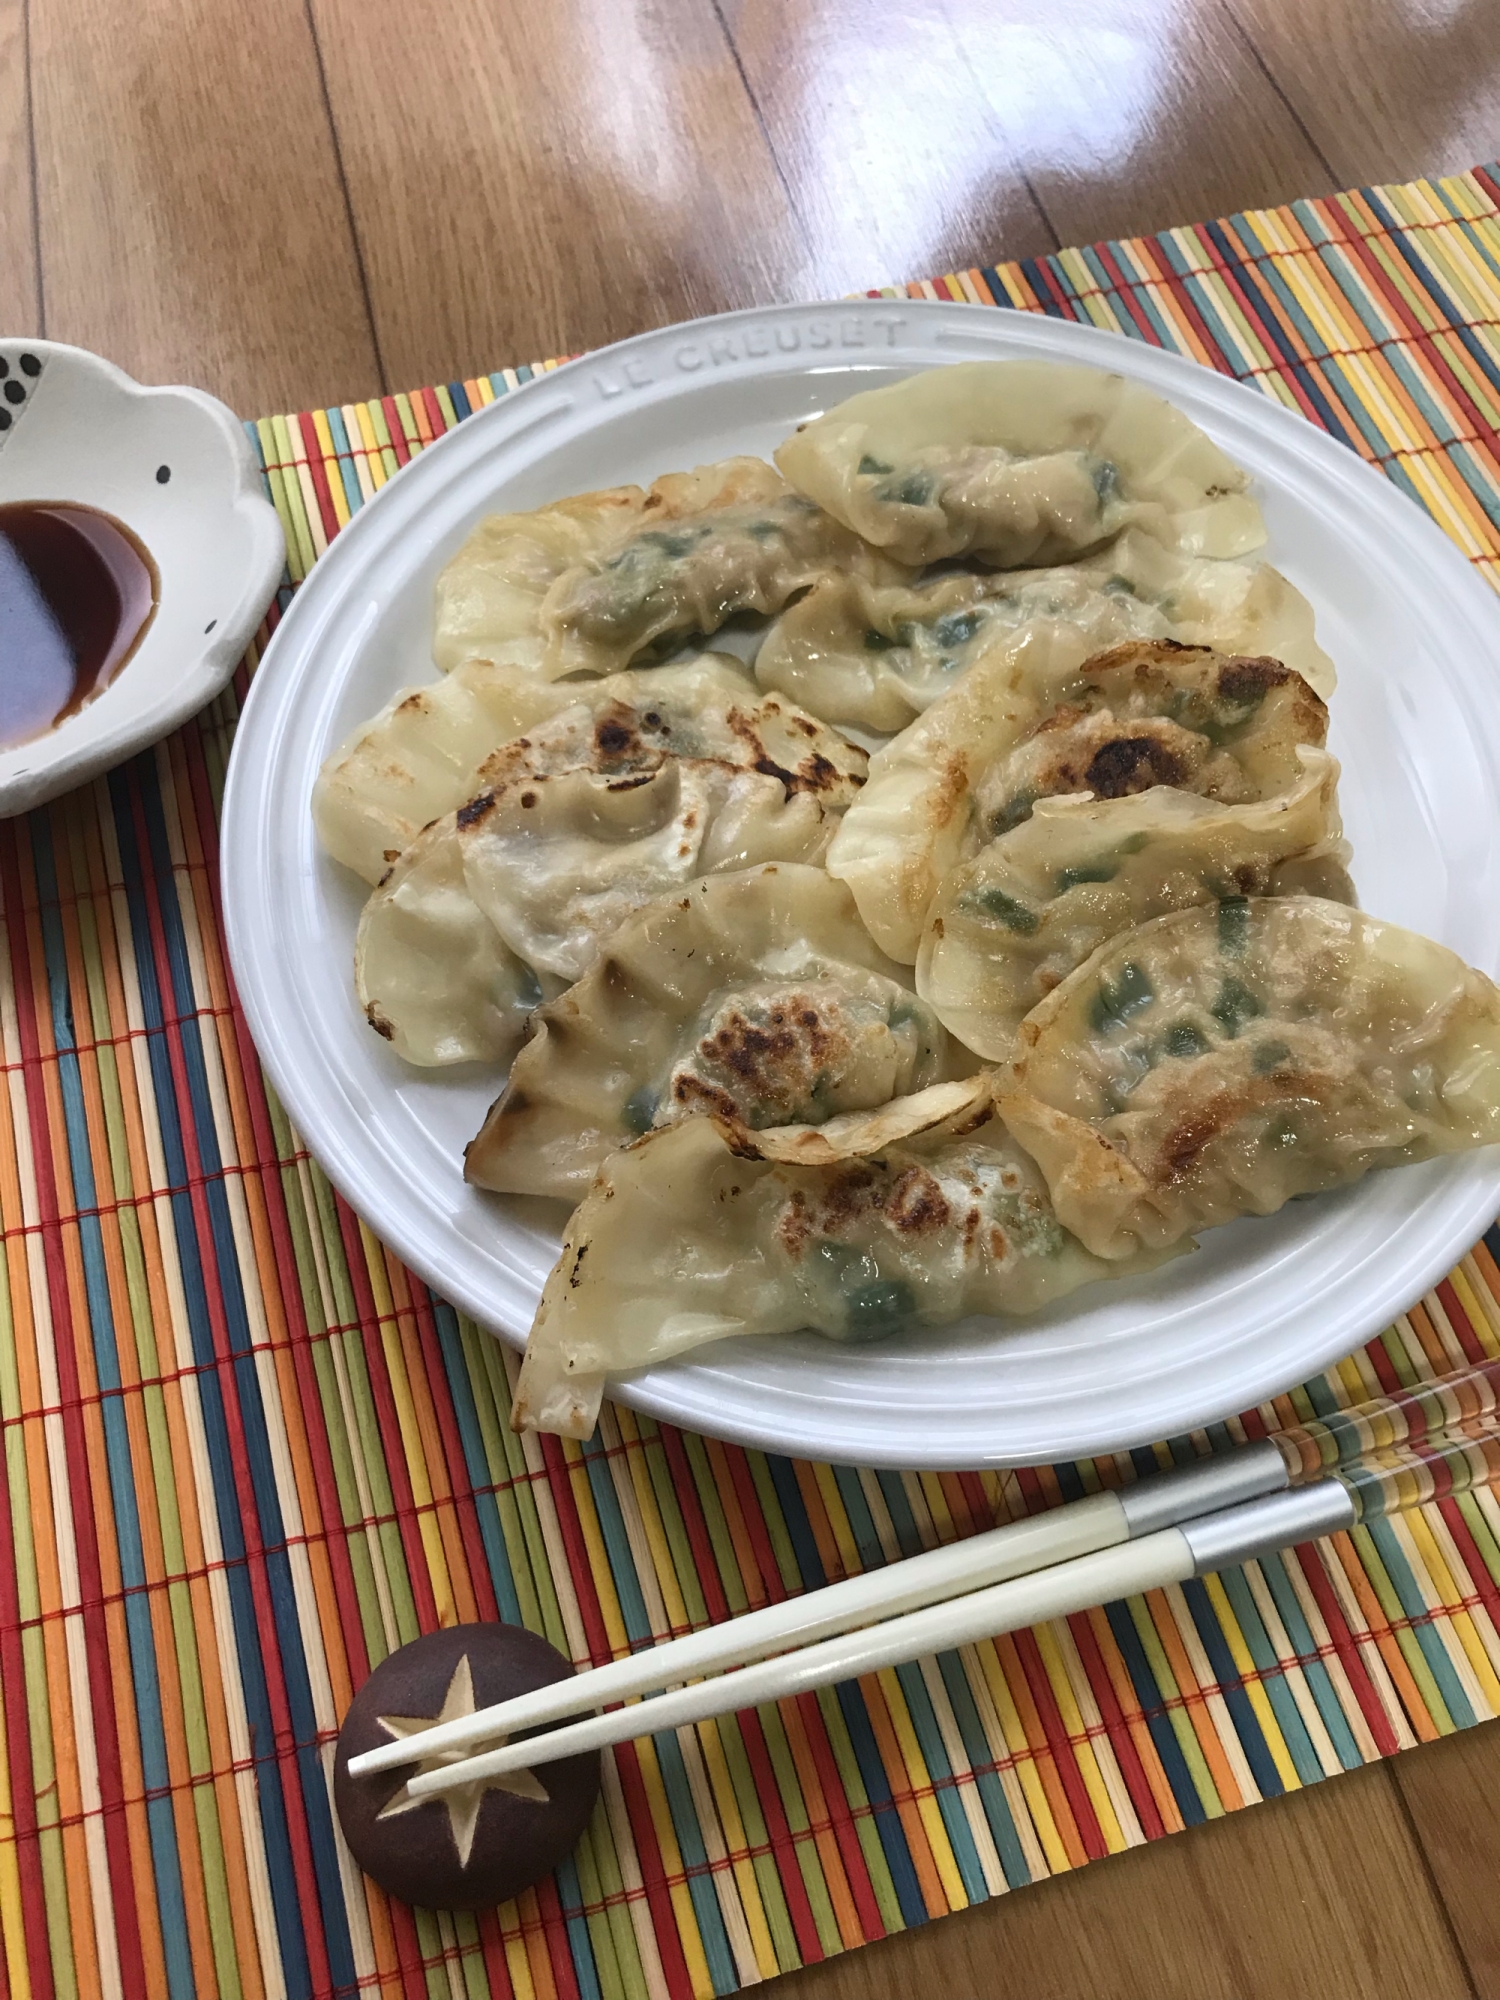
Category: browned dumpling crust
<point>1218,1061</point>
<point>1226,727</point>
<point>757,996</point>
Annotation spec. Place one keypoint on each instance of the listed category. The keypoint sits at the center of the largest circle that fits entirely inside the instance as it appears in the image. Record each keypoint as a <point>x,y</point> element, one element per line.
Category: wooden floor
<point>296,202</point>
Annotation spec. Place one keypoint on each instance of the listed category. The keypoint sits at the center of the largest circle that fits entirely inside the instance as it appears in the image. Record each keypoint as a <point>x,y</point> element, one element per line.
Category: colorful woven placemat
<point>246,1453</point>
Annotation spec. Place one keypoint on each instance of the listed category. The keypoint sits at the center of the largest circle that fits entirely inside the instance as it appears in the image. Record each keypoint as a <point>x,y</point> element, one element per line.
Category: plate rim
<point>651,1391</point>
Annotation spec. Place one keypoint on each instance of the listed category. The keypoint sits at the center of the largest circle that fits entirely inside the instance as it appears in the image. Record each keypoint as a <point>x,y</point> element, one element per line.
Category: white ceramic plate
<point>1264,1303</point>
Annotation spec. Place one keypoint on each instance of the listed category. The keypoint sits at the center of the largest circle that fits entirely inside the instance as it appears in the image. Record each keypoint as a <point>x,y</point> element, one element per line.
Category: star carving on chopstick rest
<point>463,1803</point>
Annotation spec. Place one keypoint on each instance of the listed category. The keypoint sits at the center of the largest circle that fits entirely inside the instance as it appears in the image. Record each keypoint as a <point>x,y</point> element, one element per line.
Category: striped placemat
<point>246,1453</point>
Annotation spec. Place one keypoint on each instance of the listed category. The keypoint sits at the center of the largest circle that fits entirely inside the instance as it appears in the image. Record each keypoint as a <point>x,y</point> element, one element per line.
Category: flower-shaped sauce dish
<point>138,553</point>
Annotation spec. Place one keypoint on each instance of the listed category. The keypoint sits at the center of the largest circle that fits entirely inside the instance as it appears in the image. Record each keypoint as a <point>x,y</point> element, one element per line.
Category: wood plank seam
<point>355,238</point>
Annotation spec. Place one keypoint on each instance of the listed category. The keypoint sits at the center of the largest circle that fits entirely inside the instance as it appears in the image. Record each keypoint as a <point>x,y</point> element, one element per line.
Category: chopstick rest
<point>486,1841</point>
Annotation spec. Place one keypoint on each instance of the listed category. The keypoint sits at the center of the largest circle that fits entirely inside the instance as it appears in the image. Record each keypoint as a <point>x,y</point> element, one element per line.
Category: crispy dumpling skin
<point>556,863</point>
<point>707,546</point>
<point>689,1235</point>
<point>555,853</point>
<point>421,756</point>
<point>1223,1059</point>
<point>757,995</point>
<point>1012,923</point>
<point>876,655</point>
<point>1019,462</point>
<point>489,594</point>
<point>1145,713</point>
<point>433,748</point>
<point>431,973</point>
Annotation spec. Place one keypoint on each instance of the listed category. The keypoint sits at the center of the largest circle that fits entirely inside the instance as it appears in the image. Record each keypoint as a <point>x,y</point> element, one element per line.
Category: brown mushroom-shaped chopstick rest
<point>480,1845</point>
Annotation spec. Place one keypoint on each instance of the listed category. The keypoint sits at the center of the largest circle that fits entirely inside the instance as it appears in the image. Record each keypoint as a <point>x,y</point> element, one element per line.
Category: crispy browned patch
<point>792,1225</point>
<point>378,1021</point>
<point>613,737</point>
<point>1134,763</point>
<point>696,1093</point>
<point>978,1113</point>
<point>774,1059</point>
<point>1077,752</point>
<point>1142,655</point>
<point>620,735</point>
<point>476,811</point>
<point>911,1202</point>
<point>1180,1147</point>
<point>504,1123</point>
<point>1309,712</point>
<point>1245,678</point>
<point>948,796</point>
<point>915,1204</point>
<point>719,1105</point>
<point>813,773</point>
<point>847,1194</point>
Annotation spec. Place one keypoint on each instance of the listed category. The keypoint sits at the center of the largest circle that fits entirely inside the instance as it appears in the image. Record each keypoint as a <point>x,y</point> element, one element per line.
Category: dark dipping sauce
<point>77,592</point>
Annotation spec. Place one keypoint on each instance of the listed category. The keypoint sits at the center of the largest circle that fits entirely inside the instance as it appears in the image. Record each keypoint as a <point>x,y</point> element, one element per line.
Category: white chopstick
<point>1101,1521</point>
<point>1171,1555</point>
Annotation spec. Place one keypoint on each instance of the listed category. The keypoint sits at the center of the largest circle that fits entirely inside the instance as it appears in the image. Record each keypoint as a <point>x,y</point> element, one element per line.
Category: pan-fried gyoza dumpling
<point>758,995</point>
<point>425,752</point>
<point>875,655</point>
<point>1019,462</point>
<point>489,595</point>
<point>433,975</point>
<point>1220,1060</point>
<point>1012,923</point>
<point>706,546</point>
<point>1013,731</point>
<point>586,818</point>
<point>433,748</point>
<point>687,1236</point>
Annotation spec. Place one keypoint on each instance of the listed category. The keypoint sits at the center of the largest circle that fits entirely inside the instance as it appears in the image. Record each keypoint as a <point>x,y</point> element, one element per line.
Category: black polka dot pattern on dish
<point>163,474</point>
<point>15,369</point>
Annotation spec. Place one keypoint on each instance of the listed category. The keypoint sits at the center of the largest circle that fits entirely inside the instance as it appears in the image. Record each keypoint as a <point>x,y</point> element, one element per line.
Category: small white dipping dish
<point>177,468</point>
